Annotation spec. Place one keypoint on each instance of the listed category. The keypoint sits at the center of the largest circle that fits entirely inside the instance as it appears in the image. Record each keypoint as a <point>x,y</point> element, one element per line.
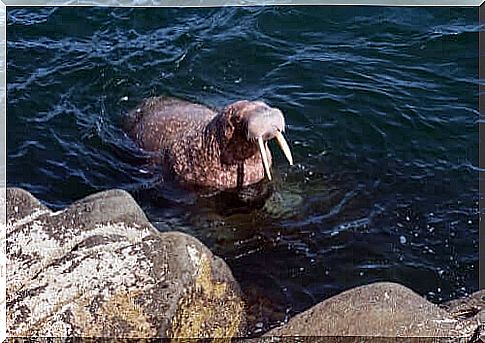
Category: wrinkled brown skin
<point>200,146</point>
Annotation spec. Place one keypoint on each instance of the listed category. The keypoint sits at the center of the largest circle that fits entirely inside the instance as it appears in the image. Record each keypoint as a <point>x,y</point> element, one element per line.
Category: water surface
<point>382,110</point>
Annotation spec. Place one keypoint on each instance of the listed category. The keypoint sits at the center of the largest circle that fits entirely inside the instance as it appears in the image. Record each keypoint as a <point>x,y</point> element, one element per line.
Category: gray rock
<point>21,205</point>
<point>464,307</point>
<point>381,309</point>
<point>99,268</point>
<point>470,309</point>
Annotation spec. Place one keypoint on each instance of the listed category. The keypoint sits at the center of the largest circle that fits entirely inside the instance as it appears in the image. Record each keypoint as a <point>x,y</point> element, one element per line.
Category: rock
<point>474,302</point>
<point>99,268</point>
<point>21,205</point>
<point>471,309</point>
<point>380,309</point>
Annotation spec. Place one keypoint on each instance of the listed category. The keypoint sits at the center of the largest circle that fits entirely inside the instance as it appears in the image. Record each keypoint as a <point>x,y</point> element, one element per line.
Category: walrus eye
<point>236,119</point>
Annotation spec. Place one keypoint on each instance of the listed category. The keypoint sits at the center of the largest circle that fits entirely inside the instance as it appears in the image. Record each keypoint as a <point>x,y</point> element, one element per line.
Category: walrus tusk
<point>284,146</point>
<point>264,157</point>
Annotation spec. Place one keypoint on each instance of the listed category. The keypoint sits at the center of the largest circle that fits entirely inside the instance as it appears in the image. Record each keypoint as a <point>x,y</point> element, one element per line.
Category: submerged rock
<point>381,309</point>
<point>99,268</point>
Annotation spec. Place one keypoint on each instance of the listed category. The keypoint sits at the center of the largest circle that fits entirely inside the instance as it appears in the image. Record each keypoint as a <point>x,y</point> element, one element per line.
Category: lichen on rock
<point>100,269</point>
<point>205,300</point>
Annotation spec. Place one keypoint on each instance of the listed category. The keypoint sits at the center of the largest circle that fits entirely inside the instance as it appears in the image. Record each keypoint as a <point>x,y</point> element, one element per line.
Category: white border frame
<point>138,3</point>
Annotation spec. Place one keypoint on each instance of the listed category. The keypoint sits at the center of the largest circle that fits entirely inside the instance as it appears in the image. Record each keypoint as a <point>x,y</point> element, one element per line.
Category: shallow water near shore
<point>381,107</point>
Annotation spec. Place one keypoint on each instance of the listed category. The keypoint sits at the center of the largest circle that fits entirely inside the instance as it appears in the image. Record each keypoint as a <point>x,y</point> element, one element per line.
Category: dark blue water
<point>382,112</point>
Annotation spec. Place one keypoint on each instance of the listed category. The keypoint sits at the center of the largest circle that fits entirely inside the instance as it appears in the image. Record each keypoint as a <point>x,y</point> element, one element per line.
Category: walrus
<point>220,149</point>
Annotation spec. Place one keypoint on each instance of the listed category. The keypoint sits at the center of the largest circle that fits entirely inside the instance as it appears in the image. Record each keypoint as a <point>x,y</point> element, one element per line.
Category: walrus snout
<point>263,124</point>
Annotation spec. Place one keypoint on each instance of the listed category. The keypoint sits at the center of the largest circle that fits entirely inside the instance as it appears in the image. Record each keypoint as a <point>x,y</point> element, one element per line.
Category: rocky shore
<point>100,269</point>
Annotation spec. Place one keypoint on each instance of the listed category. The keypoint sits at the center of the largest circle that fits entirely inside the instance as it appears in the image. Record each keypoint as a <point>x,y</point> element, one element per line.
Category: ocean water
<point>381,106</point>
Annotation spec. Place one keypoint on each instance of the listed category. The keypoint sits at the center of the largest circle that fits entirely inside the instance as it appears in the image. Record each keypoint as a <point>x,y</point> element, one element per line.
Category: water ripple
<point>381,107</point>
<point>28,18</point>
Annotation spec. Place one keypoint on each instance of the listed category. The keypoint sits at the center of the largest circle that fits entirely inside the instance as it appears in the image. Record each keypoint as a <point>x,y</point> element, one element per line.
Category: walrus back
<point>160,121</point>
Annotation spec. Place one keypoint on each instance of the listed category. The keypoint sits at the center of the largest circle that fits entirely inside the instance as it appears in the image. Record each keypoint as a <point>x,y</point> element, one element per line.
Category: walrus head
<point>246,127</point>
